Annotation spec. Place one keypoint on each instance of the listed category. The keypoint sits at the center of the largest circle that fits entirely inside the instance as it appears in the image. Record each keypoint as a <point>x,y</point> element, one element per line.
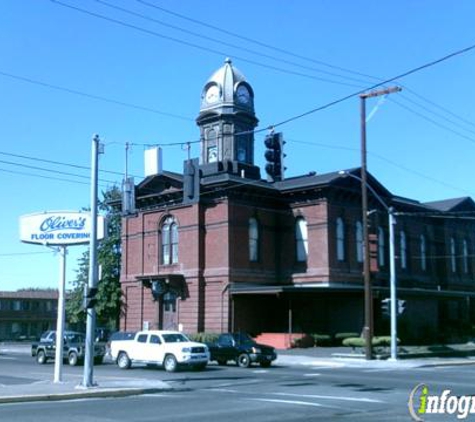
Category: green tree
<point>109,299</point>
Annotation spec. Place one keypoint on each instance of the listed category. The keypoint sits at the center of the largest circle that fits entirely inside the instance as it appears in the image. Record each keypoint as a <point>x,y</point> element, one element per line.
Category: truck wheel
<point>222,362</point>
<point>123,361</point>
<point>243,360</point>
<point>73,359</point>
<point>170,364</point>
<point>41,357</point>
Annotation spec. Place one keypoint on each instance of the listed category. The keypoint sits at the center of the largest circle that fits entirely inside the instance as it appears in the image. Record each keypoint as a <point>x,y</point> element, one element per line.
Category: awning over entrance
<point>164,283</point>
<point>238,288</point>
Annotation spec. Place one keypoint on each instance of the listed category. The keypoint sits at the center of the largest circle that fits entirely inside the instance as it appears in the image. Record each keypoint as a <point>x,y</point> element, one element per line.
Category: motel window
<point>359,241</point>
<point>340,239</point>
<point>301,236</point>
<point>253,240</point>
<point>169,242</point>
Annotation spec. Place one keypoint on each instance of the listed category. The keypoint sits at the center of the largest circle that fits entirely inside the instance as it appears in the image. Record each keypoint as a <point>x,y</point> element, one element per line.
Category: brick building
<point>217,248</point>
<point>25,314</point>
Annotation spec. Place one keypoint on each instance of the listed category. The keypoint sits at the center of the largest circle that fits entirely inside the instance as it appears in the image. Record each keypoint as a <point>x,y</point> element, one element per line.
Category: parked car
<point>242,349</point>
<point>73,348</point>
<point>169,349</point>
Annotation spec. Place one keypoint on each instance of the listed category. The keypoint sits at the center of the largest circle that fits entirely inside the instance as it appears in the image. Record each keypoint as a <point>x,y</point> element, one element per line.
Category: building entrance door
<point>168,315</point>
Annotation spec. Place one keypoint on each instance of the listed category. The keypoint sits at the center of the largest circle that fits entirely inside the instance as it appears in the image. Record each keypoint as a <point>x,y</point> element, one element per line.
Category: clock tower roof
<point>227,90</point>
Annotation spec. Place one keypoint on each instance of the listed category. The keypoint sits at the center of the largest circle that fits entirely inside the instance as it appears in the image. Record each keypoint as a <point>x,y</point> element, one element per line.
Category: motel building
<point>218,248</point>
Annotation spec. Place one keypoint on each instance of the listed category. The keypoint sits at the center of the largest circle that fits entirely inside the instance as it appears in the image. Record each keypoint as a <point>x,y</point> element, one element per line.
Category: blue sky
<point>66,74</point>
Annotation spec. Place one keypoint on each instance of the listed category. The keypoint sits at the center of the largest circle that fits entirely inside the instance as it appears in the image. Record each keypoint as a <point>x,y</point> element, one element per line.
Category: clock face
<point>242,94</point>
<point>212,94</point>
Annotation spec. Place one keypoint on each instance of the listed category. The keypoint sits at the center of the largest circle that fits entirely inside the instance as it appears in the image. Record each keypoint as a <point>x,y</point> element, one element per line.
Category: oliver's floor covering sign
<point>59,228</point>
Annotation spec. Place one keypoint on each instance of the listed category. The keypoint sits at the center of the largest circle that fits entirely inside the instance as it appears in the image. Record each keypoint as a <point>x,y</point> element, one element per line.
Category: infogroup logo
<point>422,403</point>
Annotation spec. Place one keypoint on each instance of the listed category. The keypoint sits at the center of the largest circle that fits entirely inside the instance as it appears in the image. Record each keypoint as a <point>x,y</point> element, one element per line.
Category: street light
<point>368,328</point>
<point>392,264</point>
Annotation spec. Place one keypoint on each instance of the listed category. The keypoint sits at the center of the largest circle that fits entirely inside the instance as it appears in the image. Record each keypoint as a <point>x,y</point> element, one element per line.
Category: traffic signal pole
<point>92,281</point>
<point>392,284</point>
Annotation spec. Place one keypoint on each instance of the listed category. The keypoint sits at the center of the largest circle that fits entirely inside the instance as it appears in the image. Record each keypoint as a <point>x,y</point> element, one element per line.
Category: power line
<point>251,40</point>
<point>387,81</point>
<point>227,44</point>
<point>193,45</point>
<point>93,96</point>
<point>51,170</point>
<point>461,135</point>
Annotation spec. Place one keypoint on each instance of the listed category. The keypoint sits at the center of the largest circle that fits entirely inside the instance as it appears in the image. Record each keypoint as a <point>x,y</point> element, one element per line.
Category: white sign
<point>59,228</point>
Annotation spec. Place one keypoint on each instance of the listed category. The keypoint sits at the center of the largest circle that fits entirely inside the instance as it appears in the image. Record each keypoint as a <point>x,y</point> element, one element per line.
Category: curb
<point>102,393</point>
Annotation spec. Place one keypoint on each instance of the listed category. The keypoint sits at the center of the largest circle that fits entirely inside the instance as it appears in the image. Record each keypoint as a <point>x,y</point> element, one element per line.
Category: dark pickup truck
<point>242,349</point>
<point>73,348</point>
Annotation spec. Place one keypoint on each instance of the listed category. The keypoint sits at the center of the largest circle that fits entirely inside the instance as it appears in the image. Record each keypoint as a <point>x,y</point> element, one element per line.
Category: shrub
<point>322,339</point>
<point>381,341</point>
<point>339,337</point>
<point>305,341</point>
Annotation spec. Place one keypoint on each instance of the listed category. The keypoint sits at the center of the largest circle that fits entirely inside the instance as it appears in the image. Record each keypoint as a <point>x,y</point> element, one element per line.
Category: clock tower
<point>227,119</point>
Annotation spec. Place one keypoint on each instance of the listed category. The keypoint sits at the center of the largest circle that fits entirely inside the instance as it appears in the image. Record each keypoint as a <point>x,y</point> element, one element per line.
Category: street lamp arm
<point>345,173</point>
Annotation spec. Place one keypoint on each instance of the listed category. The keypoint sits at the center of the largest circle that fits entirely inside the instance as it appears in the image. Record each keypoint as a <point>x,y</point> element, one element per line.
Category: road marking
<point>312,375</point>
<point>302,403</point>
<point>322,364</point>
<point>260,371</point>
<point>317,396</point>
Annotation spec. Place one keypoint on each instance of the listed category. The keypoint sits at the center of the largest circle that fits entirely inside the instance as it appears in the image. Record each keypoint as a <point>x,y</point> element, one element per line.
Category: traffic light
<point>274,155</point>
<point>386,306</point>
<point>401,306</point>
<point>90,299</point>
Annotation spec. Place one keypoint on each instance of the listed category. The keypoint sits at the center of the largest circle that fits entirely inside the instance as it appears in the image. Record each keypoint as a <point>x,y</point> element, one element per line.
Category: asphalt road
<point>293,393</point>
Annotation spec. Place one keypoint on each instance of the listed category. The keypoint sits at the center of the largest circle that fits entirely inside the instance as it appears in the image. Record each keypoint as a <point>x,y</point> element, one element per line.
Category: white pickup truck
<point>170,349</point>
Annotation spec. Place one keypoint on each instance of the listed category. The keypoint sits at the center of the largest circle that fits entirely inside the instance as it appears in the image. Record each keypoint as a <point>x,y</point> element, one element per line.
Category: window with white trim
<point>465,256</point>
<point>359,241</point>
<point>423,252</point>
<point>169,241</point>
<point>301,237</point>
<point>253,240</point>
<point>340,239</point>
<point>453,259</point>
<point>381,247</point>
<point>403,249</point>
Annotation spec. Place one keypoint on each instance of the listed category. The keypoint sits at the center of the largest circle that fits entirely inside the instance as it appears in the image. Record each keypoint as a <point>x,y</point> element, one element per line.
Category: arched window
<point>253,240</point>
<point>403,249</point>
<point>423,252</point>
<point>359,241</point>
<point>381,247</point>
<point>453,261</point>
<point>169,241</point>
<point>211,147</point>
<point>340,240</point>
<point>465,256</point>
<point>301,237</point>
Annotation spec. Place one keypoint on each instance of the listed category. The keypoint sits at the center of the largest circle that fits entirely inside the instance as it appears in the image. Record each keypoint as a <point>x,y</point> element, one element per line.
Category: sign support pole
<point>58,361</point>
